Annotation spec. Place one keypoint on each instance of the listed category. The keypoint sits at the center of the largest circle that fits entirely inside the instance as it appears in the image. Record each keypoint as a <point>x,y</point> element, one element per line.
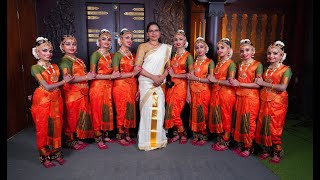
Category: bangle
<point>218,82</point>
<point>199,79</point>
<point>87,78</point>
<point>272,86</point>
<point>64,81</point>
<point>239,85</point>
<point>132,74</point>
<point>110,77</point>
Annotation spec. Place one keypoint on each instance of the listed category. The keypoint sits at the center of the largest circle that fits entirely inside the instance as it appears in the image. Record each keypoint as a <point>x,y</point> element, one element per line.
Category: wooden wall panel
<point>21,36</point>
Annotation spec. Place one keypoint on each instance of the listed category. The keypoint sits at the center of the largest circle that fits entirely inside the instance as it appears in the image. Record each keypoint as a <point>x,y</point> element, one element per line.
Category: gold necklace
<point>47,66</point>
<point>77,60</point>
<point>125,54</point>
<point>201,61</point>
<point>175,61</point>
<point>272,70</point>
<point>218,66</point>
<point>243,74</point>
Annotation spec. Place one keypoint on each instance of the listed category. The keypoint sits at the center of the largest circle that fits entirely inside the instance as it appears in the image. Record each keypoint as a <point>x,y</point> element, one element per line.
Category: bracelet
<point>132,74</point>
<point>199,79</point>
<point>64,81</point>
<point>87,78</point>
<point>110,77</point>
<point>239,85</point>
<point>272,86</point>
<point>218,82</point>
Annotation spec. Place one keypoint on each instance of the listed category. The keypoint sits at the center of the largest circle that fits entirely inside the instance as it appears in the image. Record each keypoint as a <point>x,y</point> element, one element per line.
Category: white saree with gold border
<point>151,133</point>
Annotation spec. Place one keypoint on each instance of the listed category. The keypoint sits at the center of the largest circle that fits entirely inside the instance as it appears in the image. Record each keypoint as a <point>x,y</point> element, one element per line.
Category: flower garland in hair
<point>202,39</point>
<point>119,39</point>
<point>225,40</point>
<point>101,32</point>
<point>281,45</point>
<point>180,31</point>
<point>39,41</point>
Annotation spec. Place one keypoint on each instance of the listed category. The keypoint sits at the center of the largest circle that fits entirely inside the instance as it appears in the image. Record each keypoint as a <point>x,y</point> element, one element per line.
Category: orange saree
<point>124,93</point>
<point>247,106</point>
<point>273,109</point>
<point>200,98</point>
<point>47,110</point>
<point>77,108</point>
<point>223,99</point>
<point>100,94</point>
<point>176,96</point>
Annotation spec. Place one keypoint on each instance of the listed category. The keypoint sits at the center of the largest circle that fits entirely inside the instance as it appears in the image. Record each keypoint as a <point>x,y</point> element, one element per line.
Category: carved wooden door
<point>114,17</point>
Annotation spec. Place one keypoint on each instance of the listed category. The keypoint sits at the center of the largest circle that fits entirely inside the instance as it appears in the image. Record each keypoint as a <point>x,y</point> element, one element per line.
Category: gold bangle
<point>87,78</point>
<point>199,79</point>
<point>132,75</point>
<point>64,81</point>
<point>239,85</point>
<point>110,77</point>
<point>218,82</point>
<point>272,86</point>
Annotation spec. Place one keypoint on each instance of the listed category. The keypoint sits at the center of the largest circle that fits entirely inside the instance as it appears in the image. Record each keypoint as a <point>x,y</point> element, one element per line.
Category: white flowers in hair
<point>104,30</point>
<point>279,43</point>
<point>181,31</point>
<point>186,44</point>
<point>34,52</point>
<point>225,39</point>
<point>245,41</point>
<point>200,38</point>
<point>41,39</point>
<point>124,29</point>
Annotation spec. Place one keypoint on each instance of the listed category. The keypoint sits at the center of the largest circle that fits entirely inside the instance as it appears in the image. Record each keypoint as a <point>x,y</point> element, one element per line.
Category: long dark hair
<point>153,23</point>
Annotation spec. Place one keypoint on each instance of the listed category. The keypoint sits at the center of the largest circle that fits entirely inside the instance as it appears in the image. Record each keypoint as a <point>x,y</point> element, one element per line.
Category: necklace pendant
<point>175,64</point>
<point>197,69</point>
<point>268,80</point>
<point>54,78</point>
<point>243,75</point>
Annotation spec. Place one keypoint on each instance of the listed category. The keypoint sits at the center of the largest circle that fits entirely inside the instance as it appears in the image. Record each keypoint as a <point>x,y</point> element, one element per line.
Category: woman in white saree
<point>154,57</point>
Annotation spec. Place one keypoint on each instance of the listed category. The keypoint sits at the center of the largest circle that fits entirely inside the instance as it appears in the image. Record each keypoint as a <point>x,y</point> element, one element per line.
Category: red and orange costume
<point>176,96</point>
<point>247,105</point>
<point>77,121</point>
<point>124,94</point>
<point>200,100</point>
<point>222,102</point>
<point>47,112</point>
<point>101,96</point>
<point>273,109</point>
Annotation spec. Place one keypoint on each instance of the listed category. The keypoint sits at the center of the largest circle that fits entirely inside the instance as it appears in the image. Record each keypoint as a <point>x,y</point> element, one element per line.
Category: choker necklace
<point>125,54</point>
<point>77,60</point>
<point>243,74</point>
<point>47,66</point>
<point>175,61</point>
<point>272,70</point>
<point>199,65</point>
<point>218,66</point>
<point>104,53</point>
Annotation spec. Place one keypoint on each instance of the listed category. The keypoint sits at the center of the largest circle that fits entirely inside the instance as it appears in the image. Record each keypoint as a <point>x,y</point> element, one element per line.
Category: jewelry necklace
<point>220,63</point>
<point>125,54</point>
<point>243,74</point>
<point>272,70</point>
<point>199,65</point>
<point>104,53</point>
<point>175,61</point>
<point>47,66</point>
<point>77,60</point>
